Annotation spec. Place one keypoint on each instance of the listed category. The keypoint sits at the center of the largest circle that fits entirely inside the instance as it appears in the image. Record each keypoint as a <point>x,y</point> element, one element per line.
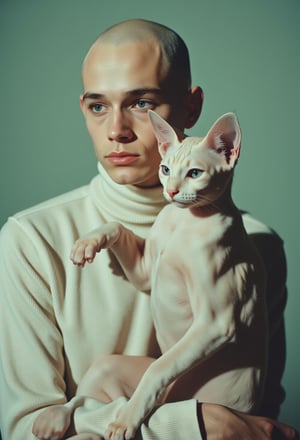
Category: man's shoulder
<point>50,218</point>
<point>267,241</point>
<point>61,202</point>
<point>255,226</point>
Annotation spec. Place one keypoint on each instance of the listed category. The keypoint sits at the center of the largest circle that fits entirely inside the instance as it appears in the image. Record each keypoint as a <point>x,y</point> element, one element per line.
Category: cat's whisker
<point>208,202</point>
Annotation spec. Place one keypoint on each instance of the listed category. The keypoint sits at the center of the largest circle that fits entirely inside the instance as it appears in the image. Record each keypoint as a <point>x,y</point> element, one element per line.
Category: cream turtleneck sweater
<point>127,204</point>
<point>56,319</point>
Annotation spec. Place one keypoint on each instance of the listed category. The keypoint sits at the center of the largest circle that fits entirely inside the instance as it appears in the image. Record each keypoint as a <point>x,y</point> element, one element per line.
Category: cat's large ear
<point>164,133</point>
<point>225,137</point>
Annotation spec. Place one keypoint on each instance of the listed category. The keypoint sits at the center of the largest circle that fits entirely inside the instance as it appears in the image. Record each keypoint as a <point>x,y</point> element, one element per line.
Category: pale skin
<point>121,82</point>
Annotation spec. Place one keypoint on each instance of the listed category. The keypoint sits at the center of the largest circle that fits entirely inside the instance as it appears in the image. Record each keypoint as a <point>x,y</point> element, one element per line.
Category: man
<point>57,319</point>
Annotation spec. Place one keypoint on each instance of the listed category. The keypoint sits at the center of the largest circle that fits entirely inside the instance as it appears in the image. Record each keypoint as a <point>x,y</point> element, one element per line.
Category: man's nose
<point>120,127</point>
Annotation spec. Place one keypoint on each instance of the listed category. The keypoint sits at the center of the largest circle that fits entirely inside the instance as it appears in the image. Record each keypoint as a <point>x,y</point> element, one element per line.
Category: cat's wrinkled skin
<point>206,280</point>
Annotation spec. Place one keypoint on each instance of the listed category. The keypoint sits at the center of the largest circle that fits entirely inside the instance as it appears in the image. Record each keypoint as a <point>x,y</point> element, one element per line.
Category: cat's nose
<point>172,192</point>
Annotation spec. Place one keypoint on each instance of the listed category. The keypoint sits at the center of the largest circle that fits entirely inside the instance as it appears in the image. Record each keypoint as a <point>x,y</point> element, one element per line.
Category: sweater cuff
<point>95,416</point>
<point>168,421</point>
<point>178,420</point>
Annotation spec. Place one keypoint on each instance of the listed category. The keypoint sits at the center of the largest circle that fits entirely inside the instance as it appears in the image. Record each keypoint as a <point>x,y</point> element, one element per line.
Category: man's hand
<point>220,423</point>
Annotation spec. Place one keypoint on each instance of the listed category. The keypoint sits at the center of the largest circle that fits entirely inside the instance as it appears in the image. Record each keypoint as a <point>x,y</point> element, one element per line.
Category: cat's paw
<point>120,431</point>
<point>84,251</point>
<point>52,423</point>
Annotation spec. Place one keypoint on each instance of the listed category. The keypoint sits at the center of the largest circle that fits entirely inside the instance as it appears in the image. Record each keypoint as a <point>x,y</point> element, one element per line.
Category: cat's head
<point>197,171</point>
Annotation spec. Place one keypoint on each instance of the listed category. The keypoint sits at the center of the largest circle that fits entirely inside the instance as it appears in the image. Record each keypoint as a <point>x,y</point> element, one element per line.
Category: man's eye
<point>97,108</point>
<point>144,105</point>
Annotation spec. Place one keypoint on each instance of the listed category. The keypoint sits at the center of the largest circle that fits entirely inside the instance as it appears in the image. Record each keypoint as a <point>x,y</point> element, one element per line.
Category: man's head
<point>174,54</point>
<point>132,67</point>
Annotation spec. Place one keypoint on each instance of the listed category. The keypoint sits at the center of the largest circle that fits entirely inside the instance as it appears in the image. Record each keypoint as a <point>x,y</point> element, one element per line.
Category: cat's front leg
<point>85,249</point>
<point>128,420</point>
<point>151,387</point>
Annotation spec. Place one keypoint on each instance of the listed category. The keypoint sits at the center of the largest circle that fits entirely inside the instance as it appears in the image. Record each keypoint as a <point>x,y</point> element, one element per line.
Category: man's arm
<point>270,247</point>
<point>219,422</point>
<point>186,420</point>
<point>32,364</point>
<point>271,250</point>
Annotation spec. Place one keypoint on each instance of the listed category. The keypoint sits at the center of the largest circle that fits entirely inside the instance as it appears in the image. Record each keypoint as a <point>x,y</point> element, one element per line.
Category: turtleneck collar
<point>127,204</point>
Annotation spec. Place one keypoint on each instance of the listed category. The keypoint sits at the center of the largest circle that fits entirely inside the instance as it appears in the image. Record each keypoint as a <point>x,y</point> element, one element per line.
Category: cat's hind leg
<point>54,421</point>
<point>113,376</point>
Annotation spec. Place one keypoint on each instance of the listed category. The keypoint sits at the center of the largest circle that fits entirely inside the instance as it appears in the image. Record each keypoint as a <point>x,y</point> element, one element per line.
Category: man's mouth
<point>122,158</point>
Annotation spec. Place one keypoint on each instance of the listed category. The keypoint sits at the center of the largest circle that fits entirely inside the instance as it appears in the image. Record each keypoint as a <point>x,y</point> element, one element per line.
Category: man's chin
<point>122,176</point>
<point>131,177</point>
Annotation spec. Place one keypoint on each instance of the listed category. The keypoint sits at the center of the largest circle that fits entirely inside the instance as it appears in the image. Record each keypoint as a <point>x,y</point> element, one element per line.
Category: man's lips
<point>122,158</point>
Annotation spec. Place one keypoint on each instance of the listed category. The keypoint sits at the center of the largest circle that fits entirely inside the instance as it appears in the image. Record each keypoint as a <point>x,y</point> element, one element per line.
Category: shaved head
<point>174,50</point>
<point>133,67</point>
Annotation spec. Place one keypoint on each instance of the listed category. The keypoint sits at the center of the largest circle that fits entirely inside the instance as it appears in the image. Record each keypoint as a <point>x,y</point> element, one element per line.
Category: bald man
<point>61,324</point>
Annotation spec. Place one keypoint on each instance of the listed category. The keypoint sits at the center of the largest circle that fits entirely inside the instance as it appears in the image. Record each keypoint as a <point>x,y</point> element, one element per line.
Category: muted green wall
<point>246,56</point>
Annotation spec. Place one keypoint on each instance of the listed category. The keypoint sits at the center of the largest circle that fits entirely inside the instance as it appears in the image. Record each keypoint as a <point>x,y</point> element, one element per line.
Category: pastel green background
<point>245,55</point>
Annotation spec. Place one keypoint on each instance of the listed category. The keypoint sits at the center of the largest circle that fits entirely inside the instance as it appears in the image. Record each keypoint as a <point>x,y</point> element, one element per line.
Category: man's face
<point>121,82</point>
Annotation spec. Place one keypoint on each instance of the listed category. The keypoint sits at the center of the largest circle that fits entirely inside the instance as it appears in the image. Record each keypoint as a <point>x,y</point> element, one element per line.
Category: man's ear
<point>195,102</point>
<point>81,103</point>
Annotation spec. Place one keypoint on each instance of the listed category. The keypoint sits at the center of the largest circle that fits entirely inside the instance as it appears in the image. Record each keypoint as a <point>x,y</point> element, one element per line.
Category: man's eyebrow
<point>90,95</point>
<point>143,91</point>
<point>135,92</point>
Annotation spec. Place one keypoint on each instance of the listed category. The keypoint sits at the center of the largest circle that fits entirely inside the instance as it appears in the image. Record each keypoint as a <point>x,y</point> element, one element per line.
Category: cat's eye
<point>165,170</point>
<point>194,173</point>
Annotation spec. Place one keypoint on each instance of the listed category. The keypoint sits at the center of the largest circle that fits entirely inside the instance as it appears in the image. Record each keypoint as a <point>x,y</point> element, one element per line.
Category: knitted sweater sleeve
<point>271,248</point>
<point>176,420</point>
<point>32,365</point>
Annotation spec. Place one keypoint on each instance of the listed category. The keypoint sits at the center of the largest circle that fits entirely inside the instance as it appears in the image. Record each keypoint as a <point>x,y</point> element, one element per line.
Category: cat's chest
<point>180,245</point>
<point>179,234</point>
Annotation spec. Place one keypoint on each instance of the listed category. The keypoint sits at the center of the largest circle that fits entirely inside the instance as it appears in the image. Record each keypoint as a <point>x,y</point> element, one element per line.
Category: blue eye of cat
<point>165,170</point>
<point>194,173</point>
